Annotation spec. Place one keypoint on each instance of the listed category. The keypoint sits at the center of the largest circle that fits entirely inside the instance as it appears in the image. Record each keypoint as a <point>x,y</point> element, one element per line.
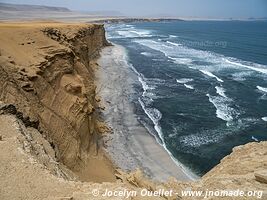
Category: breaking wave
<point>220,91</point>
<point>211,75</point>
<point>262,89</point>
<point>223,109</point>
<point>189,86</point>
<point>184,80</point>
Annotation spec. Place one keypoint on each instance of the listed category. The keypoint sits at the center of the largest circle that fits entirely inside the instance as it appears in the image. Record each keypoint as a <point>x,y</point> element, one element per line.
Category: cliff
<point>31,8</point>
<point>47,74</point>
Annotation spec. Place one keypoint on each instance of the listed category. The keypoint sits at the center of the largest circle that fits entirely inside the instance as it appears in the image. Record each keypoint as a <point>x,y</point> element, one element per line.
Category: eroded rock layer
<point>46,72</point>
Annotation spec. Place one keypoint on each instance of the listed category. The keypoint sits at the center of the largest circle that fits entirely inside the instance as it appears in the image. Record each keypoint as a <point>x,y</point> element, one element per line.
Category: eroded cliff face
<point>47,74</point>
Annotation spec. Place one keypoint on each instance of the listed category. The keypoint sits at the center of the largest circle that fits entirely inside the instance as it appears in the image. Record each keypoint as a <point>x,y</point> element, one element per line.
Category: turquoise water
<point>203,85</point>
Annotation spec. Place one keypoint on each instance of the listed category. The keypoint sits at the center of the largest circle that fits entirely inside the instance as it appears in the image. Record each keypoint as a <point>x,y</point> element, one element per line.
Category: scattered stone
<point>98,99</point>
<point>19,115</point>
<point>10,109</point>
<point>32,77</point>
<point>39,72</point>
<point>74,89</point>
<point>261,176</point>
<point>27,87</point>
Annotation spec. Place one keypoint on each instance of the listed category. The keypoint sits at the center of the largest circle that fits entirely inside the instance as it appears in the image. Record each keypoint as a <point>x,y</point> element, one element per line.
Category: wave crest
<point>263,89</point>
<point>211,75</point>
<point>184,80</point>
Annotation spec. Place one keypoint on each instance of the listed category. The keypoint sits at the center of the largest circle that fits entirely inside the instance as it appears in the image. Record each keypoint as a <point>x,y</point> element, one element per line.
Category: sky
<point>179,8</point>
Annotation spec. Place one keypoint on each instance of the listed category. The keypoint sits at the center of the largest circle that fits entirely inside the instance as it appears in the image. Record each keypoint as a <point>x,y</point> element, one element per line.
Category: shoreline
<point>130,146</point>
<point>133,20</point>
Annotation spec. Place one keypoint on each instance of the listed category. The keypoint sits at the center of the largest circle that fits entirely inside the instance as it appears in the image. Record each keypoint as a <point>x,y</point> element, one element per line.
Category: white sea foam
<point>172,135</point>
<point>264,119</point>
<point>146,54</point>
<point>173,36</point>
<point>144,84</point>
<point>184,80</point>
<point>216,61</point>
<point>241,76</point>
<point>223,110</point>
<point>141,32</point>
<point>254,66</point>
<point>197,140</point>
<point>255,139</point>
<point>184,61</point>
<point>211,75</point>
<point>189,86</point>
<point>126,33</point>
<point>141,79</point>
<point>173,43</point>
<point>262,89</point>
<point>176,50</point>
<point>155,115</point>
<point>220,91</point>
<point>129,33</point>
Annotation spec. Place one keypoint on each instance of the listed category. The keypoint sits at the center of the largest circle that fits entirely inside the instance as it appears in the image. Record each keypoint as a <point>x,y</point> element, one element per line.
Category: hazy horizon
<point>174,8</point>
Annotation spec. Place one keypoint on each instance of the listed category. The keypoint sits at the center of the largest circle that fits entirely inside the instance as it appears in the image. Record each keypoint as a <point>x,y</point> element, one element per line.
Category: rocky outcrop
<point>46,77</point>
<point>243,170</point>
<point>261,176</point>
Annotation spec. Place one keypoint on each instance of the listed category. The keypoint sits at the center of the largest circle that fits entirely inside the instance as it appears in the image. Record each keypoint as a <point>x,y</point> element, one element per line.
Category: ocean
<point>202,86</point>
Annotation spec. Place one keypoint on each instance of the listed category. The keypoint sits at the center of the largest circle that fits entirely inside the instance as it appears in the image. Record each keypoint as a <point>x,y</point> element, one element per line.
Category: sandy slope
<point>22,176</point>
<point>20,172</point>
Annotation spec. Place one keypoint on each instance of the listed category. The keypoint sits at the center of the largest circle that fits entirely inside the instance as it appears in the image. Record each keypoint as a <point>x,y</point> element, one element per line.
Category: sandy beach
<point>130,145</point>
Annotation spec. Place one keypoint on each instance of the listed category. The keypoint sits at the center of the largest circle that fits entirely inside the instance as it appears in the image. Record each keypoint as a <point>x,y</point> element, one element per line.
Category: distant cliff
<point>31,8</point>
